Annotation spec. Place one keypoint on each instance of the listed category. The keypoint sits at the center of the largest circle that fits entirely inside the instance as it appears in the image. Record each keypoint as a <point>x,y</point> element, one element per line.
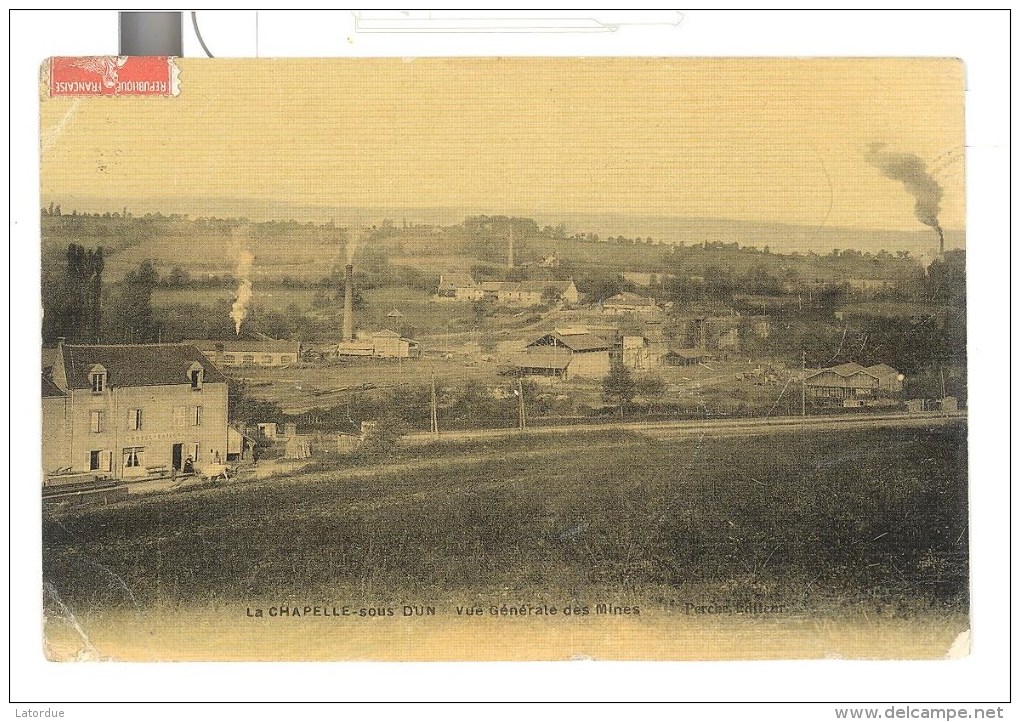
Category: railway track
<point>717,427</point>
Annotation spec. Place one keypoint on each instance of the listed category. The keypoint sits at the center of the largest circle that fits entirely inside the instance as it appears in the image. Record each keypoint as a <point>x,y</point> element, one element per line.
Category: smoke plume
<point>239,311</point>
<point>913,173</point>
<point>353,239</point>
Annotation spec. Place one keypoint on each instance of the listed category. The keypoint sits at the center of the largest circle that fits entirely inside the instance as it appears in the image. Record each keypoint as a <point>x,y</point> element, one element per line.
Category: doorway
<point>178,453</point>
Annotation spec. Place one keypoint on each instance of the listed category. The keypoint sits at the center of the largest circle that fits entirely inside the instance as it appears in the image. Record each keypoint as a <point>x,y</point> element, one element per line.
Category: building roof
<point>394,313</point>
<point>845,371</point>
<point>385,333</point>
<point>243,345</point>
<point>552,359</point>
<point>540,286</point>
<point>609,334</point>
<point>137,365</point>
<point>50,389</point>
<point>574,342</point>
<point>452,281</point>
<point>882,369</point>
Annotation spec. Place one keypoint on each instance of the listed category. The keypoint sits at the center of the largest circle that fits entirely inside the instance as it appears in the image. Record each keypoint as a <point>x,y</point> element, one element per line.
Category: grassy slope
<point>827,521</point>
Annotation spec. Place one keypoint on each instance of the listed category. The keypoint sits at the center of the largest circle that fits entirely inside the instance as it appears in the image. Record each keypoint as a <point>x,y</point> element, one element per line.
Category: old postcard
<point>503,359</point>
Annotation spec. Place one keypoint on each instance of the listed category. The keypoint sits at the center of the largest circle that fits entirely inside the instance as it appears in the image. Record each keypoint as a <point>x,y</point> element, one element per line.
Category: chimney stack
<point>348,330</point>
<point>218,356</point>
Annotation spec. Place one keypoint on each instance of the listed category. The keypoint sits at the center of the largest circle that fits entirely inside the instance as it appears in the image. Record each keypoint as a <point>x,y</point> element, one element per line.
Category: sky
<point>776,141</point>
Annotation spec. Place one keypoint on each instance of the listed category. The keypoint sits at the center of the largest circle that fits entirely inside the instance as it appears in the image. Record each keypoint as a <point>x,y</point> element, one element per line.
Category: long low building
<point>628,302</point>
<point>851,380</point>
<point>525,293</point>
<point>246,352</point>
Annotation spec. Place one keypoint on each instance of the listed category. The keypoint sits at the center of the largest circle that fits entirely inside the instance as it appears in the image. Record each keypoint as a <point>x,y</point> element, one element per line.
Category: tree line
<point>78,308</point>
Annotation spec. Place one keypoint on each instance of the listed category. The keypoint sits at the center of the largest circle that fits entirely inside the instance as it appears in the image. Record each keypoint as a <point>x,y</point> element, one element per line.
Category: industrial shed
<point>564,355</point>
<point>851,380</point>
<point>551,363</point>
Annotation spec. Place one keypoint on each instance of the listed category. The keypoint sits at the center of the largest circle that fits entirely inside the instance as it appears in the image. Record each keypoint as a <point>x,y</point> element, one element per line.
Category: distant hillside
<point>779,238</point>
<point>783,238</point>
<point>206,248</point>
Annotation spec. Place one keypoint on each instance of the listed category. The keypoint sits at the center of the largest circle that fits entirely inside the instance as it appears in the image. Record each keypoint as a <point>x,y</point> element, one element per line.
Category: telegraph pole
<point>522,419</point>
<point>942,377</point>
<point>435,413</point>
<point>803,383</point>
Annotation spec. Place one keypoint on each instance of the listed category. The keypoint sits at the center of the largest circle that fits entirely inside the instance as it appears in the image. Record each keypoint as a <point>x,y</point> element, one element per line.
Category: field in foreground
<point>824,522</point>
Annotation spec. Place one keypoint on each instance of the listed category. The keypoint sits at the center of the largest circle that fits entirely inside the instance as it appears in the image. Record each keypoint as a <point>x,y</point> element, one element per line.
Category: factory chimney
<point>348,331</point>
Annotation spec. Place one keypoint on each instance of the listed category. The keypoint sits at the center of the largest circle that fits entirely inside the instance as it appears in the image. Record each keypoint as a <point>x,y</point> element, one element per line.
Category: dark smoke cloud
<point>913,173</point>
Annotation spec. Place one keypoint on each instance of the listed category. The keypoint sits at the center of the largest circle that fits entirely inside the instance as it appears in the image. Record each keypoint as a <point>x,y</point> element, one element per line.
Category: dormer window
<point>97,379</point>
<point>195,375</point>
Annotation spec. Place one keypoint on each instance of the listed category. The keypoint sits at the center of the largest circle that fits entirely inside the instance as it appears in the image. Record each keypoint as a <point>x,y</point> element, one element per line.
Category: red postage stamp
<point>112,75</point>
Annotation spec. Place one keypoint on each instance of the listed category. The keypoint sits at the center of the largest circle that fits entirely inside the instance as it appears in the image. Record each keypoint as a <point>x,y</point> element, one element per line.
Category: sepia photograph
<point>465,359</point>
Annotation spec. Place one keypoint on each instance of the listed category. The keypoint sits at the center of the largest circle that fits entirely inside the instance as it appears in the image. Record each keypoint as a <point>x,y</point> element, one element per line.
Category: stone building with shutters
<point>131,411</point>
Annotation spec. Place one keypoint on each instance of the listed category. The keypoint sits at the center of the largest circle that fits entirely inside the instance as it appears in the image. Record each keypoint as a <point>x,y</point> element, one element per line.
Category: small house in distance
<point>244,352</point>
<point>380,344</point>
<point>390,344</point>
<point>460,286</point>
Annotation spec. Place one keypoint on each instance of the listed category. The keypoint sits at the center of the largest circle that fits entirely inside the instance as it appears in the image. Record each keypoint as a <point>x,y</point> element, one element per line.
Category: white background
<point>981,39</point>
